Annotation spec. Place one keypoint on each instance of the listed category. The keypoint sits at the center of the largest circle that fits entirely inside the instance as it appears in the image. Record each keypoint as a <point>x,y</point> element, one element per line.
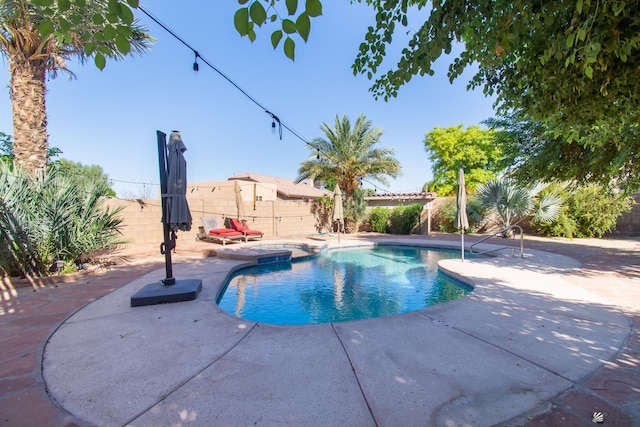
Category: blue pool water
<point>341,285</point>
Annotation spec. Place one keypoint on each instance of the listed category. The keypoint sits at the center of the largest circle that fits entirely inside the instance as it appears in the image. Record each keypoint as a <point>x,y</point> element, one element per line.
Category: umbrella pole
<point>168,244</point>
<point>167,290</point>
<point>462,245</point>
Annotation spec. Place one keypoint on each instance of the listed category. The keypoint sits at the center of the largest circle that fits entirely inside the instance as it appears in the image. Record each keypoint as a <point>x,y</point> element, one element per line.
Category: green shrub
<point>322,210</point>
<point>447,215</point>
<point>378,219</point>
<point>589,211</point>
<point>354,210</point>
<point>405,218</point>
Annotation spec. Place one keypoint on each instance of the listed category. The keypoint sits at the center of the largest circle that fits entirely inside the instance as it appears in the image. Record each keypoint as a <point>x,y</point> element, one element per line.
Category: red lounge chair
<point>245,230</point>
<point>212,232</point>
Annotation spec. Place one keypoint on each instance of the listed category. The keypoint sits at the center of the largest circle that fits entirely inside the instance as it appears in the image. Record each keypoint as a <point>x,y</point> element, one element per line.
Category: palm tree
<point>514,203</point>
<point>33,49</point>
<point>348,156</point>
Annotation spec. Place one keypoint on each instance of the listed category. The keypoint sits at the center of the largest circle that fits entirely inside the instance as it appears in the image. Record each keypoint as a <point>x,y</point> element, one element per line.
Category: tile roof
<point>286,187</point>
<point>401,196</point>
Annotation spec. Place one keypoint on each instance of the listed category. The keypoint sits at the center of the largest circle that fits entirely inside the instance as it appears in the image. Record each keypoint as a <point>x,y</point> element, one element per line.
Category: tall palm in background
<point>33,49</point>
<point>348,156</point>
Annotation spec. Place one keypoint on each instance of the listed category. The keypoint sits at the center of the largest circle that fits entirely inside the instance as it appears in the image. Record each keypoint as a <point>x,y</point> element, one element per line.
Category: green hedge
<point>404,219</point>
<point>378,219</point>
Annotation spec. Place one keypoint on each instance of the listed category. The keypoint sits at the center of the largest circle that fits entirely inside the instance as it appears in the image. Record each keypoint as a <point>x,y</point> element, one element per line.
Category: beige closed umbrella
<point>338,209</point>
<point>462,221</point>
<point>239,201</point>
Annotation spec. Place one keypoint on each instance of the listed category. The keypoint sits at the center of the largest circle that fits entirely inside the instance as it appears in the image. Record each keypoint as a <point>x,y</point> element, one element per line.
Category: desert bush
<point>447,215</point>
<point>322,210</point>
<point>588,211</point>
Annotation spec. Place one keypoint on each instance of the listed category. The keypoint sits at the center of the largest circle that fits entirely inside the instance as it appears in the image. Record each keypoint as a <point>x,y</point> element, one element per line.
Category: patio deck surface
<point>545,340</point>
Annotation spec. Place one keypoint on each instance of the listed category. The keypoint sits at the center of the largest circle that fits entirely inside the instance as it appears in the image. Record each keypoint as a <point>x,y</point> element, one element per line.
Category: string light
<point>275,119</point>
<point>196,67</point>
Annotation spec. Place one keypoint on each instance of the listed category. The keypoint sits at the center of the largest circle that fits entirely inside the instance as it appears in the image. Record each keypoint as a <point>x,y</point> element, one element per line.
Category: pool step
<point>268,255</point>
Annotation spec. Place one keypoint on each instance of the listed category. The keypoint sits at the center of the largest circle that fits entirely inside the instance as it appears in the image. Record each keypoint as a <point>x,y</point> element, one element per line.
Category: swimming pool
<point>342,284</point>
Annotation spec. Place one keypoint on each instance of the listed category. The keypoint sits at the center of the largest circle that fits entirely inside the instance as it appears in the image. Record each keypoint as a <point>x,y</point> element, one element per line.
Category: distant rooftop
<point>286,188</point>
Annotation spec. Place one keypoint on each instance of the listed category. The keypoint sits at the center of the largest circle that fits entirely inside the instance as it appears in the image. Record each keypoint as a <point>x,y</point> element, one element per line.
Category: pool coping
<point>369,396</point>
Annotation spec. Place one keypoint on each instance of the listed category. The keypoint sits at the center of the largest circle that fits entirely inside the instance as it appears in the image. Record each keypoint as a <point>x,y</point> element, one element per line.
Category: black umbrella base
<point>159,293</point>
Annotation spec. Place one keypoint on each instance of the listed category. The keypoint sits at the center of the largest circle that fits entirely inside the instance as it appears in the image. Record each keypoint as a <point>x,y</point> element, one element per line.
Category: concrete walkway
<point>545,340</point>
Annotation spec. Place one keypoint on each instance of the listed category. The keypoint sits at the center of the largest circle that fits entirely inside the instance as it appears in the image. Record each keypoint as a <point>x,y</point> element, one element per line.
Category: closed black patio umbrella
<point>177,213</point>
<point>175,217</point>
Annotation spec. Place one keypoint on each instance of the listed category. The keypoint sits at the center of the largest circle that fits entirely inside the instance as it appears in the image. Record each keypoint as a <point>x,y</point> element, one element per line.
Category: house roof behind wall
<point>286,188</point>
<point>401,196</point>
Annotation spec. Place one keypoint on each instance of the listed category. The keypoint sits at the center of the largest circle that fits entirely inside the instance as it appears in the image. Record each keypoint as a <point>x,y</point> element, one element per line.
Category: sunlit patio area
<point>548,339</point>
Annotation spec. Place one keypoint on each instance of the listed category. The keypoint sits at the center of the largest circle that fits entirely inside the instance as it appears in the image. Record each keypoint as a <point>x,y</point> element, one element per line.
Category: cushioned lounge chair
<point>212,232</point>
<point>245,230</point>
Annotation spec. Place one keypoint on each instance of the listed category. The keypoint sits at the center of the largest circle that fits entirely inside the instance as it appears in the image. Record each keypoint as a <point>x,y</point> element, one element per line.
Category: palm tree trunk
<point>28,89</point>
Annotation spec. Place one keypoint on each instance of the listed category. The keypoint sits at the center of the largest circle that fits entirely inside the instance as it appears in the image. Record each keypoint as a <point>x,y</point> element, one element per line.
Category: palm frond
<point>348,155</point>
<point>548,209</point>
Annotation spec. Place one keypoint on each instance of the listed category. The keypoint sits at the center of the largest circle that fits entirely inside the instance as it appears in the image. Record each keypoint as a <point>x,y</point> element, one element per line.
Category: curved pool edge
<point>384,363</point>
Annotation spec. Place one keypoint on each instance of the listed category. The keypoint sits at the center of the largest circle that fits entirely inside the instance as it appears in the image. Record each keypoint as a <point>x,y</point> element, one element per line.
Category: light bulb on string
<point>275,119</point>
<point>196,67</point>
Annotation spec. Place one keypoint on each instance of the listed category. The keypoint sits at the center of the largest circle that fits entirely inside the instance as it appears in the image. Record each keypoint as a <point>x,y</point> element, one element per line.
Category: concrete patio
<point>545,340</point>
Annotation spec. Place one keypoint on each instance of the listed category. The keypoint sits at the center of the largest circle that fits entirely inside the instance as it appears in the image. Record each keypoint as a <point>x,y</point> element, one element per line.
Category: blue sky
<point>110,117</point>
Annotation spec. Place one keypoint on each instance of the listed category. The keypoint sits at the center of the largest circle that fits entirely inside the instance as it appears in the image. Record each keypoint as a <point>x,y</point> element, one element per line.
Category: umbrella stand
<point>168,289</point>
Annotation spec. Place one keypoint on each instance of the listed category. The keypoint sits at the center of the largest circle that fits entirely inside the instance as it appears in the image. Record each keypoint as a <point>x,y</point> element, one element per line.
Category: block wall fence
<point>629,223</point>
<point>279,218</point>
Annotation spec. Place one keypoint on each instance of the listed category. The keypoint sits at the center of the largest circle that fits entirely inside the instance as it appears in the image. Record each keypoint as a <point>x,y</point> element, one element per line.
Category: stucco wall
<point>629,223</point>
<point>280,218</point>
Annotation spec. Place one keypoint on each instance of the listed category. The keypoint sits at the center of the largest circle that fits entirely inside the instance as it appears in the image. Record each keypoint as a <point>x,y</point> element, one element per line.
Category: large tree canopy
<point>535,151</point>
<point>573,60</point>
<point>473,149</point>
<point>104,29</point>
<point>571,64</point>
<point>576,58</point>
